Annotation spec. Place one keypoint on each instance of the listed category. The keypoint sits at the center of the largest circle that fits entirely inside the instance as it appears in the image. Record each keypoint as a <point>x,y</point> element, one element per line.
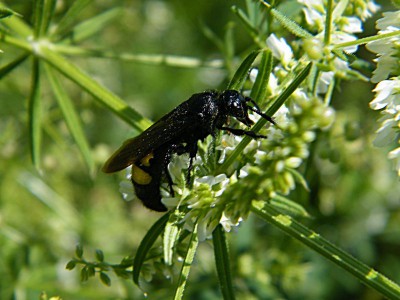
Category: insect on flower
<point>178,132</point>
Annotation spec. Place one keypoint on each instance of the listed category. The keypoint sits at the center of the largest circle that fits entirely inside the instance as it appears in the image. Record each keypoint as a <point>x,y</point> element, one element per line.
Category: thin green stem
<point>367,40</point>
<point>328,22</point>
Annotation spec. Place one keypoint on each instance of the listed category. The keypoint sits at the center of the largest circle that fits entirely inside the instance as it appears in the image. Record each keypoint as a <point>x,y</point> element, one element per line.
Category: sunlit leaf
<point>71,118</point>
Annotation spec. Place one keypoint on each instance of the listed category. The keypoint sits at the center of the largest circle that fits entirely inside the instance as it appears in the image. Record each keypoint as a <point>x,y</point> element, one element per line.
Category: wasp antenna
<point>248,99</point>
<point>258,111</point>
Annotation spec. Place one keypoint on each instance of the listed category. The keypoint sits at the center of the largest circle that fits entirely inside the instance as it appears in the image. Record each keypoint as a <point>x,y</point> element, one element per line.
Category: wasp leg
<point>249,133</point>
<point>169,180</point>
<point>192,149</point>
<point>167,159</point>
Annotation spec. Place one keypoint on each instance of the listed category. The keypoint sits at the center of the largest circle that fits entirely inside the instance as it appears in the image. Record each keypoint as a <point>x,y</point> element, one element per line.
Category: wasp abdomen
<point>146,179</point>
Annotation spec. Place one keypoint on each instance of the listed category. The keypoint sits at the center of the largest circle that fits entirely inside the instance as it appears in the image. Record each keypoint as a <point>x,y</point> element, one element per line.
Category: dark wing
<point>168,128</point>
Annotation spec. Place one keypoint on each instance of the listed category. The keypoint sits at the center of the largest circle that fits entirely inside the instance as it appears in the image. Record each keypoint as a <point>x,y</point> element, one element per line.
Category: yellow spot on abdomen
<point>139,176</point>
<point>145,161</point>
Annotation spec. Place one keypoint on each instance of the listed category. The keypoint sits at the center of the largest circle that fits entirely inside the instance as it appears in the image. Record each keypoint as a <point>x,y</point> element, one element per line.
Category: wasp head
<point>234,104</point>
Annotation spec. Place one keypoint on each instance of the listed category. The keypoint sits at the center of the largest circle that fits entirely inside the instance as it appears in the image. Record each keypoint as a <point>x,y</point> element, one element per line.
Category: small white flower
<point>221,180</point>
<point>387,94</point>
<point>280,49</point>
<point>313,18</point>
<point>367,10</point>
<point>395,155</point>
<point>178,164</point>
<point>273,85</point>
<point>227,145</point>
<point>353,25</point>
<point>125,186</point>
<point>386,49</point>
<point>253,74</point>
<point>244,172</point>
<point>315,14</point>
<point>293,162</point>
<point>324,81</point>
<point>259,156</point>
<point>391,19</point>
<point>227,223</point>
<point>126,189</point>
<point>386,133</point>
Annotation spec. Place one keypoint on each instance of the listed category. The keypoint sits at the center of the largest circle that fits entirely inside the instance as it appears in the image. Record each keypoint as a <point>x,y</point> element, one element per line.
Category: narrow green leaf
<point>340,8</point>
<point>18,42</point>
<point>187,264</point>
<point>245,20</point>
<point>5,12</point>
<point>299,178</point>
<point>91,271</point>
<point>241,74</point>
<point>260,87</point>
<point>79,251</point>
<point>103,95</point>
<point>34,111</point>
<point>15,25</point>
<point>65,24</point>
<point>71,118</point>
<point>288,23</point>
<point>212,37</point>
<point>99,255</point>
<point>48,12</point>
<point>229,49</point>
<point>288,206</point>
<point>90,27</point>
<point>313,240</point>
<point>145,245</point>
<point>38,6</point>
<point>85,274</point>
<point>253,31</point>
<point>12,65</point>
<point>222,263</point>
<point>71,265</point>
<point>105,279</point>
<point>254,13</point>
<point>171,235</point>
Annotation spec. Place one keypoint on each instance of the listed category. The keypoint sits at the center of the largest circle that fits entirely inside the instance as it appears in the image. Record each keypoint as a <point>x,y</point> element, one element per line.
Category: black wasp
<point>177,133</point>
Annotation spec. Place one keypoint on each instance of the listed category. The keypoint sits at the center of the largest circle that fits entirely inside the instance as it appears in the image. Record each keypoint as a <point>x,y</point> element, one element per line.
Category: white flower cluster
<point>387,50</point>
<point>387,75</point>
<point>347,18</point>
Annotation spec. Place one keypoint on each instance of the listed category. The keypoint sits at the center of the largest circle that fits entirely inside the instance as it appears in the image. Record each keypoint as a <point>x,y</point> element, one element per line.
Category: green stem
<point>328,23</point>
<point>105,97</point>
<point>367,40</point>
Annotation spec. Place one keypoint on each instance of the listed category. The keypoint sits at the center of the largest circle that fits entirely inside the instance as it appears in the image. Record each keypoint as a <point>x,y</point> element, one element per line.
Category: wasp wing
<point>163,131</point>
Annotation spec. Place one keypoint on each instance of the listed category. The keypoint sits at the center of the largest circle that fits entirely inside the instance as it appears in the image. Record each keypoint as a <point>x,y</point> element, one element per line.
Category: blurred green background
<point>354,196</point>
